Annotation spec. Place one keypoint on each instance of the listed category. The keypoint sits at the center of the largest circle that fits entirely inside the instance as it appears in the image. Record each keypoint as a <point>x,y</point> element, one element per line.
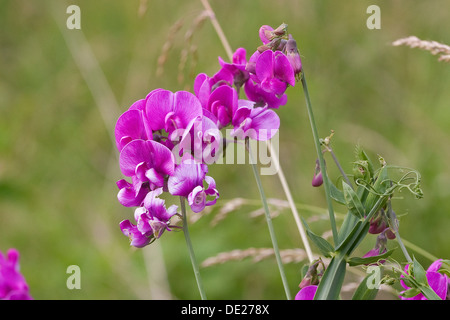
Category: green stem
<point>326,183</point>
<point>419,250</point>
<point>269,224</point>
<point>191,251</point>
<point>394,225</point>
<point>338,165</point>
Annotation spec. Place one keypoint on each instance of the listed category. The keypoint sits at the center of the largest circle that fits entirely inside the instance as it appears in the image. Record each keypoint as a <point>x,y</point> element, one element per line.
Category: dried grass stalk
<point>433,47</point>
<point>167,46</point>
<point>257,254</point>
<point>228,207</point>
<point>189,49</point>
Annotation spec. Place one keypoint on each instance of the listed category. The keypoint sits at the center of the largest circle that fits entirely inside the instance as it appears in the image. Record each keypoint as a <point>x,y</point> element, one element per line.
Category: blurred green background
<point>61,91</point>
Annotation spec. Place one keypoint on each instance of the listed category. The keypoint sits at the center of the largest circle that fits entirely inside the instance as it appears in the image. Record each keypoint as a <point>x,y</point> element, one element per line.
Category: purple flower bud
<point>378,223</point>
<point>293,56</point>
<point>266,34</point>
<point>317,178</point>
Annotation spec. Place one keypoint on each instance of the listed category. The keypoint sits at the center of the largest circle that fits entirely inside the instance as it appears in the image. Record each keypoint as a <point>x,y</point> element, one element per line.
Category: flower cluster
<point>167,140</point>
<point>12,283</point>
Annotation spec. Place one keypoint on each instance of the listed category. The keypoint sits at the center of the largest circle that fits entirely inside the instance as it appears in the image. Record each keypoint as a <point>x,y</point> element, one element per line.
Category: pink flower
<point>152,219</point>
<point>223,103</point>
<point>12,283</point>
<point>270,76</point>
<point>258,123</point>
<point>147,161</point>
<point>170,111</point>
<point>237,67</point>
<point>188,181</point>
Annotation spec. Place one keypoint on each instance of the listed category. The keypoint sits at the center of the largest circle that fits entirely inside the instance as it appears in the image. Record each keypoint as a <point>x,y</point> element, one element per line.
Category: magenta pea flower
<point>237,67</point>
<point>137,239</point>
<point>223,103</point>
<point>12,283</point>
<point>254,92</point>
<point>266,34</point>
<point>258,123</point>
<point>306,293</point>
<point>188,181</point>
<point>169,111</point>
<point>205,85</point>
<point>132,194</point>
<point>130,126</point>
<point>202,140</point>
<point>274,71</point>
<point>133,124</point>
<point>438,281</point>
<point>148,161</point>
<point>271,73</point>
<point>152,219</point>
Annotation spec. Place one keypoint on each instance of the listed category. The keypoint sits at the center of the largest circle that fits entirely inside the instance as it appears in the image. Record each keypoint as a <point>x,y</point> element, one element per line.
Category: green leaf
<point>419,273</point>
<point>365,291</point>
<point>323,245</point>
<point>352,201</point>
<point>336,194</point>
<point>429,293</point>
<point>356,261</point>
<point>410,293</point>
<point>347,225</point>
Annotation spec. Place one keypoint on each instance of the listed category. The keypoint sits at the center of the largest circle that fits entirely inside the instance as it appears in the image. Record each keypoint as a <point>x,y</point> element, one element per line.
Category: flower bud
<point>378,223</point>
<point>281,30</point>
<point>293,56</point>
<point>317,178</point>
<point>312,276</point>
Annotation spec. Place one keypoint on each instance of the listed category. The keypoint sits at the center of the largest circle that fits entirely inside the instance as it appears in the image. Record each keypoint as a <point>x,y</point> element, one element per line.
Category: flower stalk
<point>326,182</point>
<point>191,250</point>
<point>269,223</point>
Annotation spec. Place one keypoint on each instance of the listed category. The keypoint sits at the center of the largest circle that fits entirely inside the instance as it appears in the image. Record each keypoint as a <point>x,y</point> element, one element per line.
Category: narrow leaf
<point>323,245</point>
<point>356,261</point>
<point>419,273</point>
<point>412,292</point>
<point>352,201</point>
<point>337,194</point>
<point>366,290</point>
<point>429,293</point>
<point>347,225</point>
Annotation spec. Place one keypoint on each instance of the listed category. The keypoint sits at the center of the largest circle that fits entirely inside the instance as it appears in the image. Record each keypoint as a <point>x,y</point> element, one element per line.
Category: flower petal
<point>264,65</point>
<point>158,105</point>
<point>307,293</point>
<point>152,153</point>
<point>129,126</point>
<point>283,69</point>
<point>186,177</point>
